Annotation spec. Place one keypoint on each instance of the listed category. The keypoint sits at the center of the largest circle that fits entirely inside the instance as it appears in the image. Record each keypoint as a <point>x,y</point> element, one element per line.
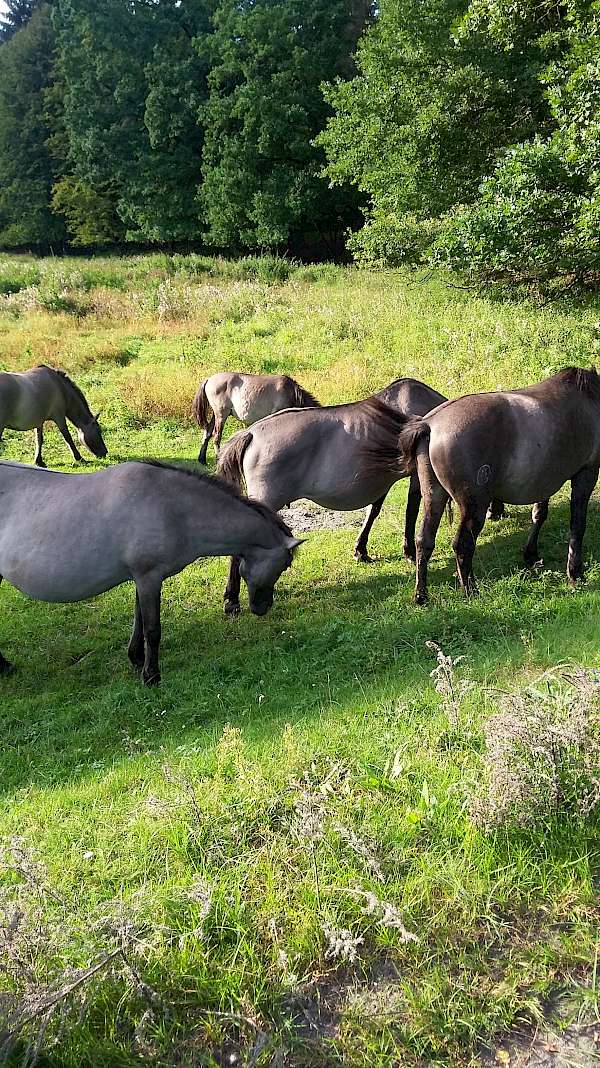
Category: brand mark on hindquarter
<point>484,475</point>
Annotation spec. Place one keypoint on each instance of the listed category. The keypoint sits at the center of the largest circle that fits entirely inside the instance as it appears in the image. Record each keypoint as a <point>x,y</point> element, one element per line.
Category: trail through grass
<point>247,852</point>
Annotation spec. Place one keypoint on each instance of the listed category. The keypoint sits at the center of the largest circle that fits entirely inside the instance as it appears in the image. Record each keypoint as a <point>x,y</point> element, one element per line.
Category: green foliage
<point>26,167</point>
<point>261,183</point>
<point>16,15</point>
<point>418,126</point>
<point>538,214</point>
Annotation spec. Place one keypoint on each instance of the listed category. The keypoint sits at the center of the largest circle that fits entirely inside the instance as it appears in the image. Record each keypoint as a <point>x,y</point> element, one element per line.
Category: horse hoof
<point>362,558</point>
<point>421,598</point>
<point>40,463</point>
<point>151,680</point>
<point>410,554</point>
<point>231,608</point>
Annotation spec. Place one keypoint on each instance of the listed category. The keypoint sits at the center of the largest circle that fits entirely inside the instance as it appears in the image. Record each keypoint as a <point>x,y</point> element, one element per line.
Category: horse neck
<point>76,408</point>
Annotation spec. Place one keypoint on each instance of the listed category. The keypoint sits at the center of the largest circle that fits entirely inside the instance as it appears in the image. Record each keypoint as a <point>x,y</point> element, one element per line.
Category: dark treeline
<point>467,133</point>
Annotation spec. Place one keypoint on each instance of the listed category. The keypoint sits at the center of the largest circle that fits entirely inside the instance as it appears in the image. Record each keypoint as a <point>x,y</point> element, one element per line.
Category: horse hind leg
<point>360,549</point>
<point>39,441</point>
<point>539,514</point>
<point>5,665</point>
<point>205,440</point>
<point>472,520</point>
<point>148,595</point>
<point>435,500</point>
<point>135,649</point>
<point>581,490</point>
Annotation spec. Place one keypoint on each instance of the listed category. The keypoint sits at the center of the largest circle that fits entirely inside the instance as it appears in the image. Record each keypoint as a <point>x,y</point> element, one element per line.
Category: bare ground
<point>304,516</point>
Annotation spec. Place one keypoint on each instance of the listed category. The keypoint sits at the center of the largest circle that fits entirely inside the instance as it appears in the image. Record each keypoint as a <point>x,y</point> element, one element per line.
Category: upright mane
<point>69,383</point>
<point>226,488</point>
<point>302,398</point>
<point>579,378</point>
<point>383,449</point>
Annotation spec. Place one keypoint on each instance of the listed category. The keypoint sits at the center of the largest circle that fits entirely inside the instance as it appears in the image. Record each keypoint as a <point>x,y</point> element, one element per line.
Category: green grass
<point>206,828</point>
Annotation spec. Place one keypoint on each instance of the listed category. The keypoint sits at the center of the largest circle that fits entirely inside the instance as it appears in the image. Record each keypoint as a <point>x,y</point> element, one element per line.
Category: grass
<point>214,846</point>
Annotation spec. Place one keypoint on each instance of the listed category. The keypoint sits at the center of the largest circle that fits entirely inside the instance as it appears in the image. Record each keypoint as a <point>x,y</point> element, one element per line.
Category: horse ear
<point>293,543</point>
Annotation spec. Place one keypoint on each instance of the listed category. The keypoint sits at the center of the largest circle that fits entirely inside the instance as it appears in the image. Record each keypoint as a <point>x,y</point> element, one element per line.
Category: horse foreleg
<point>148,592</point>
<point>5,666</point>
<point>581,490</point>
<point>413,504</point>
<point>66,433</point>
<point>472,520</point>
<point>232,590</point>
<point>360,549</point>
<point>205,440</point>
<point>539,515</point>
<point>39,441</point>
<point>435,499</point>
<point>135,649</point>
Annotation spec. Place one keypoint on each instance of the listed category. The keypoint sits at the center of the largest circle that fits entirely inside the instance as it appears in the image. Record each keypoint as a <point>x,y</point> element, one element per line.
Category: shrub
<point>542,754</point>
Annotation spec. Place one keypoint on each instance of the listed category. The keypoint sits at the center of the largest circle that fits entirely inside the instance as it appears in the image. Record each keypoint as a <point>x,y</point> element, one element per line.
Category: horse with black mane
<point>518,445</point>
<point>67,537</point>
<point>30,398</point>
<point>324,454</point>
<point>249,397</point>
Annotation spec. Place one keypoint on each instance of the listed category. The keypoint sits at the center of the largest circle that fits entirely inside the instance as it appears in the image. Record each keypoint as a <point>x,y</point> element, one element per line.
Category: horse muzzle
<point>261,604</point>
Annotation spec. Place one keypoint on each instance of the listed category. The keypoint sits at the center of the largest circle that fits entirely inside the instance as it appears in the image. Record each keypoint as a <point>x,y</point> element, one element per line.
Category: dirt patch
<point>576,1045</point>
<point>304,516</point>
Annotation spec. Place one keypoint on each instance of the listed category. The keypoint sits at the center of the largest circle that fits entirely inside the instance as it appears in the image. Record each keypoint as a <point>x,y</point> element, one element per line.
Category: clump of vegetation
<point>542,754</point>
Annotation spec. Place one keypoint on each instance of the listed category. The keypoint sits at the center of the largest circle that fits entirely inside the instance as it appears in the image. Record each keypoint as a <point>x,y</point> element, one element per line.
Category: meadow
<point>353,832</point>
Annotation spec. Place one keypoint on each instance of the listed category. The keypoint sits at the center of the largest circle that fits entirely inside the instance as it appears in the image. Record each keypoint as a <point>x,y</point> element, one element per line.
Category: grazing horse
<point>68,537</point>
<point>249,397</point>
<point>520,446</point>
<point>29,398</point>
<point>324,454</point>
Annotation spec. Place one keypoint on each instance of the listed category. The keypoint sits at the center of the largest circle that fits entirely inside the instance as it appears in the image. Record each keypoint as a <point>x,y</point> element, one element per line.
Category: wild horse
<point>249,397</point>
<point>324,454</point>
<point>68,537</point>
<point>520,446</point>
<point>30,398</point>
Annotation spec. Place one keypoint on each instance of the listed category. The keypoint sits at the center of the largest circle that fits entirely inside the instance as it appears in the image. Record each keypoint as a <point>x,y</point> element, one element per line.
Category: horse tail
<point>230,465</point>
<point>416,431</point>
<point>201,409</point>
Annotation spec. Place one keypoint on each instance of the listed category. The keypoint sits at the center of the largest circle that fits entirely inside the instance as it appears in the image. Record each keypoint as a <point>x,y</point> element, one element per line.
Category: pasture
<point>301,849</point>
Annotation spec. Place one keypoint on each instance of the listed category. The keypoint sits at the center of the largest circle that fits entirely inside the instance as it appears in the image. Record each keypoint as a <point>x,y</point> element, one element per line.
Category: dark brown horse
<point>520,446</point>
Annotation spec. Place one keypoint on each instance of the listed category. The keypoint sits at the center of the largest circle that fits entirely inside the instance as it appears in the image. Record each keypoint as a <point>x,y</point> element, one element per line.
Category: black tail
<point>231,458</point>
<point>411,437</point>
<point>201,409</point>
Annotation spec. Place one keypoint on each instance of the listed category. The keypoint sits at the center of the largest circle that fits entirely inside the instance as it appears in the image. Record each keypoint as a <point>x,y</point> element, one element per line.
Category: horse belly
<point>60,571</point>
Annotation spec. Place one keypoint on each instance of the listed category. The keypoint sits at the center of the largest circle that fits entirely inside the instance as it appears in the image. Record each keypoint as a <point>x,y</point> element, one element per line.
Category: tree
<point>538,214</point>
<point>133,84</point>
<point>27,170</point>
<point>18,13</point>
<point>262,183</point>
<point>421,123</point>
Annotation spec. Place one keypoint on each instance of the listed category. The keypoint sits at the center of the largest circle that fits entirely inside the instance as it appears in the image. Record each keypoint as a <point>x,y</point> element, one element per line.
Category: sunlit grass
<point>178,820</point>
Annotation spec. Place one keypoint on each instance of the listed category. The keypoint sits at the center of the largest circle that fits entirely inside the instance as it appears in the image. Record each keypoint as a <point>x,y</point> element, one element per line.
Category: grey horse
<point>324,454</point>
<point>30,398</point>
<point>248,397</point>
<point>68,537</point>
<point>521,445</point>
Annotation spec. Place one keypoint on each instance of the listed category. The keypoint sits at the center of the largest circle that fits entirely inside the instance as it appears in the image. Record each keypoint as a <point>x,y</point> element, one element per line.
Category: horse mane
<point>302,398</point>
<point>585,381</point>
<point>69,383</point>
<point>226,488</point>
<point>383,448</point>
